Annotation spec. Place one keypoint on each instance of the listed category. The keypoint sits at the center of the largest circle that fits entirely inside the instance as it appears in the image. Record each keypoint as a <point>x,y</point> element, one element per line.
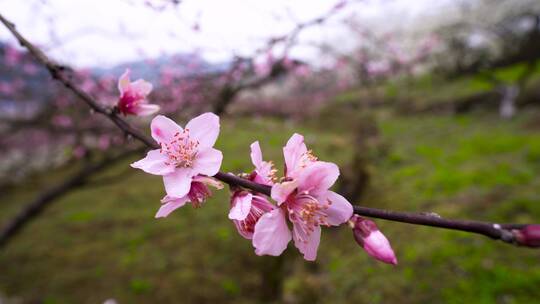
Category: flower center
<point>258,209</point>
<point>306,212</point>
<point>128,101</point>
<point>181,150</point>
<point>198,193</point>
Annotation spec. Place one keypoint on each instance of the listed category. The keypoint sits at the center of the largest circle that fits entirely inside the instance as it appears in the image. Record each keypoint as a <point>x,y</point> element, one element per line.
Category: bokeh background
<point>425,106</point>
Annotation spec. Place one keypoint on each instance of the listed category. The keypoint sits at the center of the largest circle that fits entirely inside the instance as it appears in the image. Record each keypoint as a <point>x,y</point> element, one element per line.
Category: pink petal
<point>293,151</point>
<point>154,163</point>
<point>208,162</point>
<point>256,154</point>
<point>307,244</point>
<point>141,87</point>
<point>178,183</point>
<point>170,204</point>
<point>209,181</point>
<point>318,177</point>
<point>123,82</point>
<point>377,246</point>
<point>144,109</point>
<point>340,210</point>
<point>205,129</point>
<point>271,234</point>
<point>281,191</point>
<point>262,168</point>
<point>164,129</point>
<point>241,207</point>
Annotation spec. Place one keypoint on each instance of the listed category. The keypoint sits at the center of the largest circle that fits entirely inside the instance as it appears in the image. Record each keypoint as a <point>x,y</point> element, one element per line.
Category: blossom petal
<point>209,181</point>
<point>208,162</point>
<point>170,204</point>
<point>204,129</point>
<point>154,163</point>
<point>281,191</point>
<point>256,154</point>
<point>123,82</point>
<point>141,87</point>
<point>241,207</point>
<point>339,211</point>
<point>307,244</point>
<point>143,109</point>
<point>263,169</point>
<point>164,129</point>
<point>271,234</point>
<point>178,183</point>
<point>293,151</point>
<point>318,177</point>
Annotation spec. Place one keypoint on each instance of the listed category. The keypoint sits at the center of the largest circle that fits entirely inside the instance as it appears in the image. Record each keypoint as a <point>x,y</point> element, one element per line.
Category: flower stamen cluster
<point>181,151</point>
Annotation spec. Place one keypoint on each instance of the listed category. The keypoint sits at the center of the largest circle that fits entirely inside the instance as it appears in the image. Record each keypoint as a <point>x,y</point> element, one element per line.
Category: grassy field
<point>101,243</point>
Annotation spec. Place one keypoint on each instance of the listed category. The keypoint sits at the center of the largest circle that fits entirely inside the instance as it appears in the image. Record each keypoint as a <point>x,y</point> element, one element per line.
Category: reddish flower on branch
<point>184,154</point>
<point>246,210</point>
<point>528,235</point>
<point>133,97</point>
<point>198,193</point>
<point>368,236</point>
<point>304,197</point>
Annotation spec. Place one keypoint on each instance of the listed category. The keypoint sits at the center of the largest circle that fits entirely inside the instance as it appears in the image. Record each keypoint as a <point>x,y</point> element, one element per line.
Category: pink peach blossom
<point>133,97</point>
<point>197,194</point>
<point>246,210</point>
<point>303,195</point>
<point>184,153</point>
<point>368,236</point>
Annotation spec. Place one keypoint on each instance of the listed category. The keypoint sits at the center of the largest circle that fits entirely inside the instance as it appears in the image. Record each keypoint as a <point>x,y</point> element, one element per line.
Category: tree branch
<point>76,181</point>
<point>508,233</point>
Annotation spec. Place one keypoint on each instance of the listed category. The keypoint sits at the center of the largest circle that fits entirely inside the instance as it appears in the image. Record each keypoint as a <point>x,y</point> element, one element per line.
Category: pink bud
<point>368,236</point>
<point>529,235</point>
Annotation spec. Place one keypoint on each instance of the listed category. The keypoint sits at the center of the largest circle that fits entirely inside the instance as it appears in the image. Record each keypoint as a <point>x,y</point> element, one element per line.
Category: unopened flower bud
<point>368,236</point>
<point>528,235</point>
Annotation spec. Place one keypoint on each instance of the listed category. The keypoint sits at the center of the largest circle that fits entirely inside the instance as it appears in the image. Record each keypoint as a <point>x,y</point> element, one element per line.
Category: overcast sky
<point>107,32</point>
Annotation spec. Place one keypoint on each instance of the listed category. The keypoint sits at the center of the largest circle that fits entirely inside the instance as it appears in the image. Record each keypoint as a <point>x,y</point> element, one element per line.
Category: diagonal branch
<point>509,233</point>
<point>44,200</point>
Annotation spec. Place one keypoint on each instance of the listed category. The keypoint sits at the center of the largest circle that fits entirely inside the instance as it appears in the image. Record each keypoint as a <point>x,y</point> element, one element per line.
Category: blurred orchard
<point>430,107</point>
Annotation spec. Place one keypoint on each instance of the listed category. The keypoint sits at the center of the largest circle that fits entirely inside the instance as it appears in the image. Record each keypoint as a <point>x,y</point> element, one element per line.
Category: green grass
<point>102,243</point>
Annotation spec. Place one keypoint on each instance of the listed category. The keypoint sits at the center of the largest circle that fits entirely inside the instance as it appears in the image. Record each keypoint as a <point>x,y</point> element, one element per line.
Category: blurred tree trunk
<point>507,108</point>
<point>273,276</point>
<point>355,177</point>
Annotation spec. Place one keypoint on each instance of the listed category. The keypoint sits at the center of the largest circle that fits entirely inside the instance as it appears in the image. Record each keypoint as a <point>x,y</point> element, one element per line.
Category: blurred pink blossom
<point>12,56</point>
<point>133,97</point>
<point>62,121</point>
